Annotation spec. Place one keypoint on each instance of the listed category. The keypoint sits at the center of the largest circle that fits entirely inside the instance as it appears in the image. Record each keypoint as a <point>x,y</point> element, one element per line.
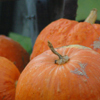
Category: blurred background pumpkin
<point>13,51</point>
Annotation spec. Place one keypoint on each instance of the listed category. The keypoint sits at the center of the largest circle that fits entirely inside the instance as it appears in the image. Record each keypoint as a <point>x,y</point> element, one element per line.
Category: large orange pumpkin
<point>65,32</point>
<point>74,76</point>
<point>13,51</point>
<point>9,75</point>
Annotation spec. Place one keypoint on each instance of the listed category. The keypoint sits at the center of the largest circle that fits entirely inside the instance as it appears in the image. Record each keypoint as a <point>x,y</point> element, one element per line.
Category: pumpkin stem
<point>62,59</point>
<point>92,16</point>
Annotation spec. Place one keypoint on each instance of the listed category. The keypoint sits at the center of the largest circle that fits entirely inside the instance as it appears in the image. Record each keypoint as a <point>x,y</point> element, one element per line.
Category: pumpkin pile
<point>64,64</point>
<point>68,71</point>
<point>13,59</point>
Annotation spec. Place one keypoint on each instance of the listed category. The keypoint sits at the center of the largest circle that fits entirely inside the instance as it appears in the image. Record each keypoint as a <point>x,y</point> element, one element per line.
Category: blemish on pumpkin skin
<point>96,44</point>
<point>81,70</point>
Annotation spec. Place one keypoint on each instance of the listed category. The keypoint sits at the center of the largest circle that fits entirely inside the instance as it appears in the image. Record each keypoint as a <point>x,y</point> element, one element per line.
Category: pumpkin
<point>66,32</point>
<point>9,75</point>
<point>13,51</point>
<point>75,75</point>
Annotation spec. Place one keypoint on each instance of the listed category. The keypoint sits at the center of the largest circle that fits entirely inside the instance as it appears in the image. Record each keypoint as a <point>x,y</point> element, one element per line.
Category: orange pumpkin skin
<point>66,32</point>
<point>14,52</point>
<point>78,79</point>
<point>9,74</point>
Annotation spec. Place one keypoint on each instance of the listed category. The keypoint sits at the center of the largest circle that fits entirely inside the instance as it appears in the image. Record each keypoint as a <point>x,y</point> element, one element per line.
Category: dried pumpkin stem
<point>92,16</point>
<point>62,59</point>
<point>53,50</point>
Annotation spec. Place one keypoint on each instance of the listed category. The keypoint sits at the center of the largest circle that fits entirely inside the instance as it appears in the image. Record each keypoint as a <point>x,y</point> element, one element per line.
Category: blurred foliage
<point>84,8</point>
<point>25,42</point>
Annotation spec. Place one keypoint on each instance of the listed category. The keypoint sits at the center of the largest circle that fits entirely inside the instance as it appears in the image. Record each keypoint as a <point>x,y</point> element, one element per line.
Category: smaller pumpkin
<point>75,75</point>
<point>9,75</point>
<point>13,51</point>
